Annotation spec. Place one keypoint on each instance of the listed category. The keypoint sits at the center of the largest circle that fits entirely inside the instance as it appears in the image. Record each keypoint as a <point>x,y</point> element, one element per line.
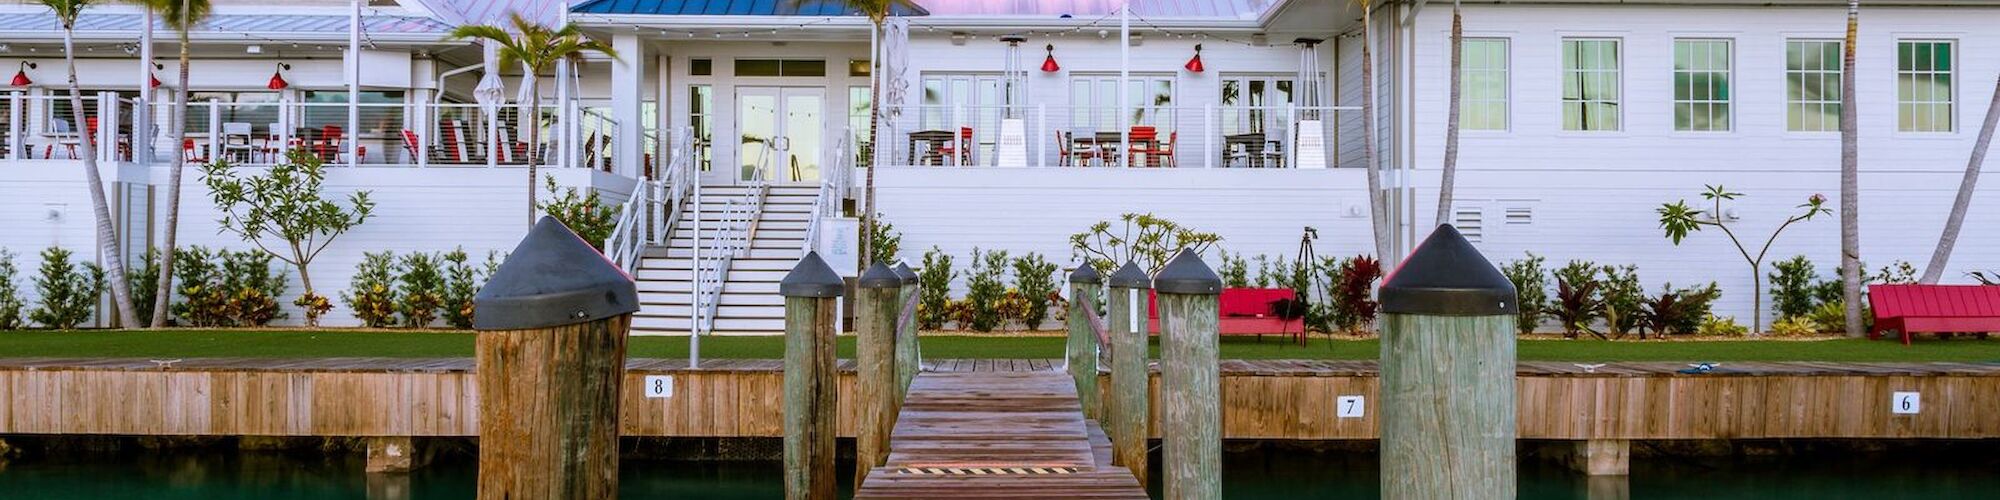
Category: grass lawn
<point>348,343</point>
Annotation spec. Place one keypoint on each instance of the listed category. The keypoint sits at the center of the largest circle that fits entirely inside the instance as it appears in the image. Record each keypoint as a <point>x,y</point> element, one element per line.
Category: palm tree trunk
<point>874,148</point>
<point>166,280</point>
<point>107,238</point>
<point>534,121</point>
<point>1378,206</point>
<point>1965,185</point>
<point>1850,180</point>
<point>1449,173</point>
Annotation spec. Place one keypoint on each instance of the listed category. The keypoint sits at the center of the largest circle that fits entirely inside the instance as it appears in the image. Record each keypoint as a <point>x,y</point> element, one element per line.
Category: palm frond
<point>66,11</point>
<point>170,11</point>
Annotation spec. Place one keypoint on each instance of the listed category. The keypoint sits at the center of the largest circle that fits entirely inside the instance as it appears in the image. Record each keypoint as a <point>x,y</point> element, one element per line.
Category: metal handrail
<point>654,208</point>
<point>831,188</point>
<point>732,238</point>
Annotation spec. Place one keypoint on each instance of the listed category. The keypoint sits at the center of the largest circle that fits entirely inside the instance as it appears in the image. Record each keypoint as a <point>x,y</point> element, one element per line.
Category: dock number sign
<point>659,386</point>
<point>1905,403</point>
<point>1351,407</point>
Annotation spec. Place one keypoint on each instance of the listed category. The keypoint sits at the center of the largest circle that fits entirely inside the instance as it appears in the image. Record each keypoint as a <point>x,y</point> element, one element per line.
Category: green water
<point>1261,474</point>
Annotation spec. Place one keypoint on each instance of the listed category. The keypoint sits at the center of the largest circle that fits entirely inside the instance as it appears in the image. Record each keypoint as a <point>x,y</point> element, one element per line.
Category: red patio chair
<point>962,145</point>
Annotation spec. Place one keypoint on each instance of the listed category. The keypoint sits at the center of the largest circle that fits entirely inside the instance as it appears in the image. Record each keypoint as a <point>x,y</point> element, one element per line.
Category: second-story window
<point>1591,81</point>
<point>1483,75</point>
<point>1701,85</point>
<point>1812,85</point>
<point>1923,86</point>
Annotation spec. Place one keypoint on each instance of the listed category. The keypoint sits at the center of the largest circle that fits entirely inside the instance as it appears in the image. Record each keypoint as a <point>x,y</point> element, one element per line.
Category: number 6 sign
<point>1905,403</point>
<point>659,386</point>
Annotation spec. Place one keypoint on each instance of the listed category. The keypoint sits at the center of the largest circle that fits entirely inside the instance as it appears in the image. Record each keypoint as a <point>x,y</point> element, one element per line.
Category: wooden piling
<point>1082,349</point>
<point>1130,382</point>
<point>875,366</point>
<point>1447,387</point>
<point>811,291</point>
<point>1190,379</point>
<point>549,359</point>
<point>909,355</point>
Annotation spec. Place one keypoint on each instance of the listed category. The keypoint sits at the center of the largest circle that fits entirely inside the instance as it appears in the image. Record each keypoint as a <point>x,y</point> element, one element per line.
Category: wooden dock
<point>997,435</point>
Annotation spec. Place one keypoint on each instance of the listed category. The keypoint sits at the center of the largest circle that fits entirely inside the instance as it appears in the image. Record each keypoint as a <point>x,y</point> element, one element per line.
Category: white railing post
<point>142,129</point>
<point>1209,133</point>
<point>285,110</point>
<point>107,127</point>
<point>15,130</point>
<point>420,127</point>
<point>492,134</point>
<point>1042,131</point>
<point>214,130</point>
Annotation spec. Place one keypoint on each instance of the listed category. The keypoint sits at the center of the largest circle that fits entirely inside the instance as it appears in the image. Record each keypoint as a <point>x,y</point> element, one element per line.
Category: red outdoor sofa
<point>1934,309</point>
<point>1245,311</point>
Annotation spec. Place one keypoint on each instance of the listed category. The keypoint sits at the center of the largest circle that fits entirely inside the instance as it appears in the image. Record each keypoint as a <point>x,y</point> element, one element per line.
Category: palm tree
<point>537,48</point>
<point>878,13</point>
<point>181,15</point>
<point>1449,174</point>
<point>1378,205</point>
<point>1850,179</point>
<point>107,240</point>
<point>1965,185</point>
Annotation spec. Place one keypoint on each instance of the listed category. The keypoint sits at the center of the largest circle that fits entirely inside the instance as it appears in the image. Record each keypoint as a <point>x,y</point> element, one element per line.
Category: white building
<point>1580,119</point>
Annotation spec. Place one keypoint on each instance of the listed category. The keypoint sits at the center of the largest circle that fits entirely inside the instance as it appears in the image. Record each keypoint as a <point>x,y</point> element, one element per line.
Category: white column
<point>628,88</point>
<point>15,128</point>
<point>663,127</point>
<point>142,111</point>
<point>566,146</point>
<point>107,127</point>
<point>354,83</point>
<point>1124,83</point>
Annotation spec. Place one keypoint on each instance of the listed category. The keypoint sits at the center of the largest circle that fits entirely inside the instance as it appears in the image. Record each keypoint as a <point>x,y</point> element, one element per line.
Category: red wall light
<point>1049,63</point>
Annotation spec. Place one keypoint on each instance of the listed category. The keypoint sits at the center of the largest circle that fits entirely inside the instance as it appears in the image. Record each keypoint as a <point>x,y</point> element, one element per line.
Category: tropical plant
<point>1679,311</point>
<point>1378,205</point>
<point>10,293</point>
<point>1677,219</point>
<point>934,290</point>
<point>1622,294</point>
<point>371,292</point>
<point>1448,174</point>
<point>287,202</point>
<point>1264,274</point>
<point>1988,278</point>
<point>1794,326</point>
<point>536,48</point>
<point>1576,305</point>
<point>1234,270</point>
<point>1145,239</point>
<point>1531,285</point>
<point>68,290</point>
<point>1034,278</point>
<point>583,211</point>
<point>984,286</point>
<point>1721,326</point>
<point>252,289</point>
<point>204,301</point>
<point>1831,316</point>
<point>147,274</point>
<point>1850,176</point>
<point>181,16</point>
<point>461,283</point>
<point>1792,283</point>
<point>66,12</point>
<point>420,289</point>
<point>884,242</point>
<point>1956,218</point>
<point>1353,306</point>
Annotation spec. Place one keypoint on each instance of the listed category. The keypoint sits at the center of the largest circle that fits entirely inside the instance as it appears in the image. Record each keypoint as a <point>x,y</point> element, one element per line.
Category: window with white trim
<point>1923,86</point>
<point>1812,85</point>
<point>1702,69</point>
<point>1591,81</point>
<point>1094,101</point>
<point>1482,99</point>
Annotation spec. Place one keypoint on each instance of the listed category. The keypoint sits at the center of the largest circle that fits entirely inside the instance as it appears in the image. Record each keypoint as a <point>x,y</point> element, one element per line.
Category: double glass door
<point>782,132</point>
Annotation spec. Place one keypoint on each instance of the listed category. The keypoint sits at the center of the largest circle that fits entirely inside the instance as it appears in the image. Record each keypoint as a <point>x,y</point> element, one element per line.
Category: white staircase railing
<point>832,188</point>
<point>736,228</point>
<point>655,207</point>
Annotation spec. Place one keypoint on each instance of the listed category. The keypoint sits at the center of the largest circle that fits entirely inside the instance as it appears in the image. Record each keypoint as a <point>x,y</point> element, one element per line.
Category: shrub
<point>1353,307</point>
<point>461,283</point>
<point>1145,239</point>
<point>68,290</point>
<point>934,290</point>
<point>143,279</point>
<point>252,289</point>
<point>1622,295</point>
<point>1576,272</point>
<point>1234,271</point>
<point>371,292</point>
<point>288,203</point>
<point>198,278</point>
<point>420,288</point>
<point>1677,219</point>
<point>1794,326</point>
<point>10,294</point>
<point>1034,278</point>
<point>1723,326</point>
<point>1700,302</point>
<point>1532,286</point>
<point>884,242</point>
<point>1013,306</point>
<point>1792,287</point>
<point>961,312</point>
<point>984,286</point>
<point>1678,311</point>
<point>583,211</point>
<point>1831,316</point>
<point>1576,305</point>
<point>314,306</point>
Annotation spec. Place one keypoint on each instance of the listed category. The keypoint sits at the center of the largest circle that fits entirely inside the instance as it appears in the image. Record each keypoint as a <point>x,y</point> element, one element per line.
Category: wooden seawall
<point>741,398</point>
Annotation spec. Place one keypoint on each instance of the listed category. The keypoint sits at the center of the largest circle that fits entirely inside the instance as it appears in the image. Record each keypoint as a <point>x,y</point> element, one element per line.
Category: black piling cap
<point>1085,274</point>
<point>1187,275</point>
<point>1446,276</point>
<point>903,271</point>
<point>553,278</point>
<point>811,278</point>
<point>1130,276</point>
<point>880,276</point>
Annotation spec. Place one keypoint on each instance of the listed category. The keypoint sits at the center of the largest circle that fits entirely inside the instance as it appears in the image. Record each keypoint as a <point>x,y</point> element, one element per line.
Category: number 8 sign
<point>1905,403</point>
<point>659,386</point>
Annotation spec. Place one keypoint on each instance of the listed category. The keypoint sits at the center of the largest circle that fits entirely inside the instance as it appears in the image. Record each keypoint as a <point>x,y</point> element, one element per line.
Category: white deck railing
<point>1084,136</point>
<point>655,207</point>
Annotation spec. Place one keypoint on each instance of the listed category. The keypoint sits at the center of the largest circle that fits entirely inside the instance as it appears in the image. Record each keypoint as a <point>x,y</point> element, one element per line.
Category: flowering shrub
<point>421,288</point>
<point>984,288</point>
<point>371,292</point>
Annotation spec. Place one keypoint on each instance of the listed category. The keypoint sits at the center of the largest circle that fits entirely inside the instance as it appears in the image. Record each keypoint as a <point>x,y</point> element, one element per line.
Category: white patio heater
<point>1013,145</point>
<point>1310,142</point>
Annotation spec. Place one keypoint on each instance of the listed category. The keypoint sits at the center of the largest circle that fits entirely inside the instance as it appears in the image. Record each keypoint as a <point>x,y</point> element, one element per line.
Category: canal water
<point>1257,474</point>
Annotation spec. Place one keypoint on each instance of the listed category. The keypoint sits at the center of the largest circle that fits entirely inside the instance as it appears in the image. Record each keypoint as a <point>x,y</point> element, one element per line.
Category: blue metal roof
<point>814,8</point>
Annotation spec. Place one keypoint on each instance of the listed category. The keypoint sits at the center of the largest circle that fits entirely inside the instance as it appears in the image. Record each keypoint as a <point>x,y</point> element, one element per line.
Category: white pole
<point>353,134</point>
<point>142,111</point>
<point>1124,83</point>
<point>694,285</point>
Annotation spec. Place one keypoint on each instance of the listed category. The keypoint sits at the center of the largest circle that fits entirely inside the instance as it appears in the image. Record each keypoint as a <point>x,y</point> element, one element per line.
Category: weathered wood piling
<point>811,293</point>
<point>1081,351</point>
<point>1130,381</point>
<point>875,365</point>
<point>908,355</point>
<point>1190,380</point>
<point>1448,415</point>
<point>550,357</point>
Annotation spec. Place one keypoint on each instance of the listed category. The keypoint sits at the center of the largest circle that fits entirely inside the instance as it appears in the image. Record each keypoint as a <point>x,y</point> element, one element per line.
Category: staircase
<point>749,303</point>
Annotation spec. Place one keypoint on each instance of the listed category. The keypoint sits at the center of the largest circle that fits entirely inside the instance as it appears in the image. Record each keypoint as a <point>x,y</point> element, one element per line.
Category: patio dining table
<point>1253,148</point>
<point>934,142</point>
<point>1108,144</point>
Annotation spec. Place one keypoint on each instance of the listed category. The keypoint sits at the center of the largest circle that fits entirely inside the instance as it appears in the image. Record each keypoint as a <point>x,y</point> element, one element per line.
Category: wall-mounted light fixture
<point>21,77</point>
<point>278,78</point>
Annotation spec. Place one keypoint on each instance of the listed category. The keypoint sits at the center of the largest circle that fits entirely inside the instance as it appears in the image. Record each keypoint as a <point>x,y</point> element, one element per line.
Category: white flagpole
<point>1124,83</point>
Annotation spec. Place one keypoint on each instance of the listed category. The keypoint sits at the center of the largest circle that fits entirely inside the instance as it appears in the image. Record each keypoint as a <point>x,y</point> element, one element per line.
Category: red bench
<point>1934,309</point>
<point>1245,311</point>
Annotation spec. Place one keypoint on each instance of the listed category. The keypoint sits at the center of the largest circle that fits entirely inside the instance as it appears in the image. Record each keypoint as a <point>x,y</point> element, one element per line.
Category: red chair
<point>1071,155</point>
<point>1247,311</point>
<point>1145,140</point>
<point>963,144</point>
<point>1941,309</point>
<point>188,151</point>
<point>411,145</point>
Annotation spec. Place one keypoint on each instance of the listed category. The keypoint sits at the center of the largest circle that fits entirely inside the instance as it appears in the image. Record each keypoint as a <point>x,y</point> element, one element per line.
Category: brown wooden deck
<point>1000,434</point>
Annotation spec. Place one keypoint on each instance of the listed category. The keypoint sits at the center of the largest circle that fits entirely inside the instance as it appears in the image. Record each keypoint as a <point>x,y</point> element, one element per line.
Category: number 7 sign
<point>1350,407</point>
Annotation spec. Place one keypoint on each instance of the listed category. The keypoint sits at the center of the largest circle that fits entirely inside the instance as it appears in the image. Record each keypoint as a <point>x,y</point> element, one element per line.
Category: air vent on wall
<point>1520,215</point>
<point>1470,222</point>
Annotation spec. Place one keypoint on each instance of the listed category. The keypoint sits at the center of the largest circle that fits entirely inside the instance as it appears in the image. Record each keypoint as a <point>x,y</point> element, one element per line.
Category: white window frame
<point>1950,101</point>
<point>1728,72</point>
<point>1506,79</point>
<point>1833,75</point>
<point>1619,84</point>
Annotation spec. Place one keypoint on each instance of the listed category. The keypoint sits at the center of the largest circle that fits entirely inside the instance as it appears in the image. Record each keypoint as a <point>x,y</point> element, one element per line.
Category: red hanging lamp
<point>21,77</point>
<point>278,78</point>
<point>153,77</point>
<point>1049,63</point>
<point>1194,65</point>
